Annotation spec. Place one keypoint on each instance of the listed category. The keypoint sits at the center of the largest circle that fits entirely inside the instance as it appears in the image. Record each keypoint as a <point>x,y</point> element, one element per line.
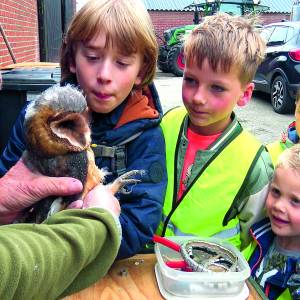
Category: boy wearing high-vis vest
<point>218,173</point>
<point>275,263</point>
<point>289,138</point>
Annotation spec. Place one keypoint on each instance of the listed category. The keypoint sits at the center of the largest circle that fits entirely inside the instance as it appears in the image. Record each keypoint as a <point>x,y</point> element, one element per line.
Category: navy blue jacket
<point>141,208</point>
<point>263,236</point>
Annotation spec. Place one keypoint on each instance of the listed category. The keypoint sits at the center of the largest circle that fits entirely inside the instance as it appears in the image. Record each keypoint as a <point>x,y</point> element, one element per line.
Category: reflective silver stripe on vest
<point>228,233</point>
<point>224,234</point>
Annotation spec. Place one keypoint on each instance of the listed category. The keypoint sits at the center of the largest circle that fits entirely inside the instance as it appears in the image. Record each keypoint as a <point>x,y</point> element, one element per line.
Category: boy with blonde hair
<point>110,52</point>
<point>275,263</point>
<point>218,172</point>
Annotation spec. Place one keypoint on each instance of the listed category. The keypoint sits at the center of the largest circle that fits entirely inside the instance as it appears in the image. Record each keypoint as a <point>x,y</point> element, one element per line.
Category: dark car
<point>279,73</point>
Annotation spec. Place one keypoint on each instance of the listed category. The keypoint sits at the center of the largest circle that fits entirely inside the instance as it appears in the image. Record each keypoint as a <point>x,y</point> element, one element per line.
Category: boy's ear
<point>246,96</point>
<point>140,77</point>
<point>72,68</point>
<point>138,80</point>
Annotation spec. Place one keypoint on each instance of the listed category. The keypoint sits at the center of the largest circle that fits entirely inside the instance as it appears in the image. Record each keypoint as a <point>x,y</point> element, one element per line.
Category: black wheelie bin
<point>21,83</point>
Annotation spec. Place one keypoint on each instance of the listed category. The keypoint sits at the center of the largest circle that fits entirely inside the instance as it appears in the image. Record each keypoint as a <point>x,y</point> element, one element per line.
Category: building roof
<point>276,6</point>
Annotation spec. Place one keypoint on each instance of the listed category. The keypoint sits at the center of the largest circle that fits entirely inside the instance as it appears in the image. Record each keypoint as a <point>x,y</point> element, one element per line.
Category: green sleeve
<point>254,195</point>
<point>68,252</point>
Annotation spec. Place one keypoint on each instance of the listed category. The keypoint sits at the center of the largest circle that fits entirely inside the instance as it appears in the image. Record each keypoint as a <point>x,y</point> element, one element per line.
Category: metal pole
<point>7,44</point>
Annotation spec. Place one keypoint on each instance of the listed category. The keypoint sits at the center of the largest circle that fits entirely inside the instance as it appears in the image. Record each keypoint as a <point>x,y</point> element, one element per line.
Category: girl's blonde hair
<point>127,26</point>
<point>290,159</point>
<point>227,41</point>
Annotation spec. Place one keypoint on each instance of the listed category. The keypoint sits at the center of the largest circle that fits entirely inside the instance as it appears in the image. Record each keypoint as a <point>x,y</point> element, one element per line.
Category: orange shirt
<point>195,142</point>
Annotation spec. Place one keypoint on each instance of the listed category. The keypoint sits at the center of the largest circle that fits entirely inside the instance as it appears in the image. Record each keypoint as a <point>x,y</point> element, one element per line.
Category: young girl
<point>276,260</point>
<point>110,52</point>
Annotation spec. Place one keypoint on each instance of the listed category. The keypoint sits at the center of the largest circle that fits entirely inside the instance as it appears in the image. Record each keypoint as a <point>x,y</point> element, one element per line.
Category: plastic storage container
<point>177,284</point>
<point>22,83</point>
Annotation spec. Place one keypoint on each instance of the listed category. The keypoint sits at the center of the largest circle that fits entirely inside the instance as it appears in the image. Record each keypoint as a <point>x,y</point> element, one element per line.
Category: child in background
<point>275,262</point>
<point>218,173</point>
<point>110,52</point>
<point>289,138</point>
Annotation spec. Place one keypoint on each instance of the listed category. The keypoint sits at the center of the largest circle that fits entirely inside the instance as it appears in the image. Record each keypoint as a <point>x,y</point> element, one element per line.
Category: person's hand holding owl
<point>100,196</point>
<point>21,188</point>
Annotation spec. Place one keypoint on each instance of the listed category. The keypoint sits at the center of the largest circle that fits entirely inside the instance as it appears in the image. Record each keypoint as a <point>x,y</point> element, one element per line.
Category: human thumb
<point>78,204</point>
<point>59,186</point>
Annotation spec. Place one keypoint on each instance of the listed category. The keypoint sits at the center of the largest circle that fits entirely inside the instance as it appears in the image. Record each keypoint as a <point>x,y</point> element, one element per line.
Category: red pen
<point>176,264</point>
<point>166,242</point>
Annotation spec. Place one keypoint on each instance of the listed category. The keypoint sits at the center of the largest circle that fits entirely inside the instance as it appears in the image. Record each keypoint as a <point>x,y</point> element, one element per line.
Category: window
<point>290,34</point>
<point>279,34</point>
<point>267,32</point>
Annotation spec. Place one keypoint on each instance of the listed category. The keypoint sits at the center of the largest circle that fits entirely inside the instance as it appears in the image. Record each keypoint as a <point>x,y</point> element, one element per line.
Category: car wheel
<point>162,61</point>
<point>281,101</point>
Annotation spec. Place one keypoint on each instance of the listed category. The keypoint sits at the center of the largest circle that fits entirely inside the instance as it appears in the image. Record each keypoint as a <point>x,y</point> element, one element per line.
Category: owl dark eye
<point>68,124</point>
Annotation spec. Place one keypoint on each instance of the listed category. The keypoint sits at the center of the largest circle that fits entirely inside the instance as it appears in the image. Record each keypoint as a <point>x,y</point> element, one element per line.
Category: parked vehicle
<point>279,73</point>
<point>170,58</point>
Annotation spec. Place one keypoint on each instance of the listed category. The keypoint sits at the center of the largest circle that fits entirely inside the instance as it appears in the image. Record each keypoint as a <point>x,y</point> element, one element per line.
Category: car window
<point>297,34</point>
<point>278,35</point>
<point>231,9</point>
<point>290,34</point>
<point>267,32</point>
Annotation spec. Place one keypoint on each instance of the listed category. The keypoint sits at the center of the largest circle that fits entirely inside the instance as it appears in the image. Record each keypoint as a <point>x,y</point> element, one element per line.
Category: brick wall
<point>271,18</point>
<point>19,21</point>
<point>163,20</point>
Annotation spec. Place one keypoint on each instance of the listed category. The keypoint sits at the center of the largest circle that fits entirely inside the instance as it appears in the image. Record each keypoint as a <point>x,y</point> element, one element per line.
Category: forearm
<point>141,208</point>
<point>68,252</point>
<point>252,212</point>
<point>139,218</point>
<point>255,195</point>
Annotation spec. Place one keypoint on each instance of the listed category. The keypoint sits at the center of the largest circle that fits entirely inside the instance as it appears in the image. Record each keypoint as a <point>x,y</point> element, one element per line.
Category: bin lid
<point>30,76</point>
<point>35,64</point>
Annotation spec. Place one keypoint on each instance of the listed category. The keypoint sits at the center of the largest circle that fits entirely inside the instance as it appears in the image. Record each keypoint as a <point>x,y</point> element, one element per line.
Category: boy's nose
<point>199,96</point>
<point>104,71</point>
<point>279,205</point>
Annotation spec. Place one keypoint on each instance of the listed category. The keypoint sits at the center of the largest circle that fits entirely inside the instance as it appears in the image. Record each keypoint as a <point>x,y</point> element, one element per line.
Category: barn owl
<point>58,139</point>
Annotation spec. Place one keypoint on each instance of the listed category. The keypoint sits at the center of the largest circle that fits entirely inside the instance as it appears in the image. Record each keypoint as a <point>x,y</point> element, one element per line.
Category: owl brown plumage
<point>58,138</point>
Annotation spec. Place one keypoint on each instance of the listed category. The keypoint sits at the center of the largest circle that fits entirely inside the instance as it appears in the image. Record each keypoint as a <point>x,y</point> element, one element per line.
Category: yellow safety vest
<point>286,295</point>
<point>275,150</point>
<point>205,204</point>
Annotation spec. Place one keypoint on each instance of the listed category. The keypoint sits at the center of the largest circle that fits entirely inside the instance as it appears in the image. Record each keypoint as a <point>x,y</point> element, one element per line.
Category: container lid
<point>36,64</point>
<point>30,78</point>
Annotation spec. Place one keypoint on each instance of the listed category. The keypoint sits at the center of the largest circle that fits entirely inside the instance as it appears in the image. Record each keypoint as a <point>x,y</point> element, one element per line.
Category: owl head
<point>57,122</point>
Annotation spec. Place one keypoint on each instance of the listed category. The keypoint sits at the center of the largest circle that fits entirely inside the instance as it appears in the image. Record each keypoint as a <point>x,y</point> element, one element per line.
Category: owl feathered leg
<point>96,176</point>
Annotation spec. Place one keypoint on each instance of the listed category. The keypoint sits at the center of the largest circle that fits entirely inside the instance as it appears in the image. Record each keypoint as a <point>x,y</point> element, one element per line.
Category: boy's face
<point>283,206</point>
<point>104,74</point>
<point>210,97</point>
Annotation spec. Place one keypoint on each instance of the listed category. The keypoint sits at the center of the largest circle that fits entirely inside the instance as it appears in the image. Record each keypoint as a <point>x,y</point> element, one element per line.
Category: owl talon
<point>120,182</point>
<point>56,206</point>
